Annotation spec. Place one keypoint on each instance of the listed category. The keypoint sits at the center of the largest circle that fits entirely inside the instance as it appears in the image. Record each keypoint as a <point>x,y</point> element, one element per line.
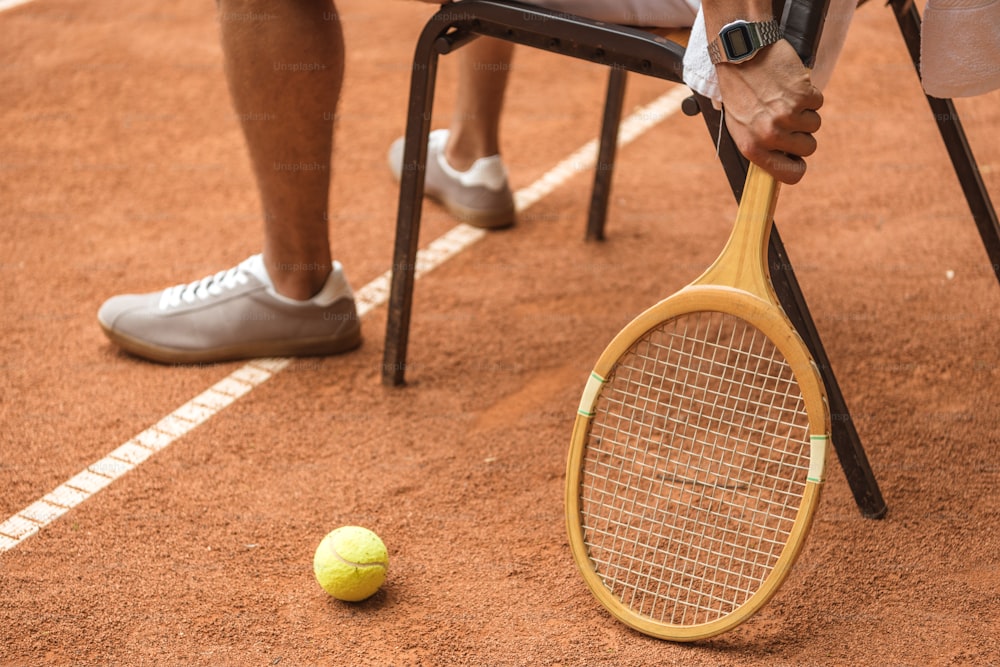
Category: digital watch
<point>740,41</point>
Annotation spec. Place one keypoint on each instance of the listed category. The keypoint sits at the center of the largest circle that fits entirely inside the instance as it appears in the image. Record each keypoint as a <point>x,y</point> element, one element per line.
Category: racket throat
<point>743,261</point>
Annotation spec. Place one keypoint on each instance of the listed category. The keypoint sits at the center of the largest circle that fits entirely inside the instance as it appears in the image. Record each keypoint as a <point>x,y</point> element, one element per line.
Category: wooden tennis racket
<point>699,447</point>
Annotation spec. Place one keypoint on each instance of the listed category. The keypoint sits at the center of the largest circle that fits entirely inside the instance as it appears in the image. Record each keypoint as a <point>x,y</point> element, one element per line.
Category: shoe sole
<point>309,347</point>
<point>477,217</point>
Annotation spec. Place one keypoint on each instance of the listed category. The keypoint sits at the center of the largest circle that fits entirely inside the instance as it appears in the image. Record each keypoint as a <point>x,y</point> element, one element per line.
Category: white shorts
<point>699,72</point>
<point>640,13</point>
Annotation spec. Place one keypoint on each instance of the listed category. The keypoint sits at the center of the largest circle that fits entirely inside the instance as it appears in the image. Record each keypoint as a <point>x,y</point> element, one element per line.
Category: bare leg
<point>285,64</point>
<point>484,65</point>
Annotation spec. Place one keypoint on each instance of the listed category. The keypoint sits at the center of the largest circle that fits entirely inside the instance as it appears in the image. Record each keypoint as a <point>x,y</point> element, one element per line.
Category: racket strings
<point>694,469</point>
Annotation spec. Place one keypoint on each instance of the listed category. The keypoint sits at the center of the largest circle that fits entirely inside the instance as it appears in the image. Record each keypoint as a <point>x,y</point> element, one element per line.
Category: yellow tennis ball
<point>350,563</point>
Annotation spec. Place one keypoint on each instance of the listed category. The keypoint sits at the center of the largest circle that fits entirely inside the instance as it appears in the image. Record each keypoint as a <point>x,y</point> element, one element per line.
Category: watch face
<point>736,42</point>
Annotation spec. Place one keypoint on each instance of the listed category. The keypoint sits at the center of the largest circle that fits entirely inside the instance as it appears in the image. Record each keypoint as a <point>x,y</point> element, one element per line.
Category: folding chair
<point>624,49</point>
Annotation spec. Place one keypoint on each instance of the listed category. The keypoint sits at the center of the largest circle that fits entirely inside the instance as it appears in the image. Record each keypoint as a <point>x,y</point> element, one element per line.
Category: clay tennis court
<point>122,168</point>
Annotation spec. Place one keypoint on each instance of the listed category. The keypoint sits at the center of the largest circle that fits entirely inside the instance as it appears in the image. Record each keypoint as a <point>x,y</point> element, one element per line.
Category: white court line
<point>224,393</point>
<point>11,4</point>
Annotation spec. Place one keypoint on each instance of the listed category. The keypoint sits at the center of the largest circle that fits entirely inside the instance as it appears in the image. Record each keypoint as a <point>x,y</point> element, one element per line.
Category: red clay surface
<point>123,169</point>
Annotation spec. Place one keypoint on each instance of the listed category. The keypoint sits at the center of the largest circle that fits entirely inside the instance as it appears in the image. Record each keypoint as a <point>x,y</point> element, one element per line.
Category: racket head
<point>678,533</point>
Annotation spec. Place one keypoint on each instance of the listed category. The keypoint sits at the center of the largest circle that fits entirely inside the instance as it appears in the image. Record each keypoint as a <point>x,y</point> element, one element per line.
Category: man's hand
<point>770,110</point>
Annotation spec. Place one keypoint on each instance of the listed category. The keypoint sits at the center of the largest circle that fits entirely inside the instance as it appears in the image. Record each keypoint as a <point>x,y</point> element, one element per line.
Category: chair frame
<point>624,49</point>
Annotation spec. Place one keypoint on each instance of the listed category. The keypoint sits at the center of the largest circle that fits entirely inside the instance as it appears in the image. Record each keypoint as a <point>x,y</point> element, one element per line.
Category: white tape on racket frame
<point>594,384</point>
<point>817,457</point>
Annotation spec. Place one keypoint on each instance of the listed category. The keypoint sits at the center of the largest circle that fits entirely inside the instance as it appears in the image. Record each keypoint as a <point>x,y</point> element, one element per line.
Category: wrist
<point>741,40</point>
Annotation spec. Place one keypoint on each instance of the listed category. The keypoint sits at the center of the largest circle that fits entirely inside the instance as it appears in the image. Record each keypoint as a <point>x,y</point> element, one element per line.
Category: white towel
<point>960,47</point>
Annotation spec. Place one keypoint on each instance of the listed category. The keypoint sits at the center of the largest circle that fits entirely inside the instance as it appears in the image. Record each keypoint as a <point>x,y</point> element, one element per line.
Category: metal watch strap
<point>768,33</point>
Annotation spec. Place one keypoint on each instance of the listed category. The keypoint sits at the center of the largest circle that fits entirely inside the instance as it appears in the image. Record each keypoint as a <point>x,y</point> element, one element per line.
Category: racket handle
<point>802,25</point>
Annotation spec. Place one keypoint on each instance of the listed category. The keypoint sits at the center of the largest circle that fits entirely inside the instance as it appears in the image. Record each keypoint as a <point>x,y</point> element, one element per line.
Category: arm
<point>770,101</point>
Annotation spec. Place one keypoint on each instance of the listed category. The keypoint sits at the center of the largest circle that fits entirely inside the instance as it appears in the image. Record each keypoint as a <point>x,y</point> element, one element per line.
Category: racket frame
<point>736,284</point>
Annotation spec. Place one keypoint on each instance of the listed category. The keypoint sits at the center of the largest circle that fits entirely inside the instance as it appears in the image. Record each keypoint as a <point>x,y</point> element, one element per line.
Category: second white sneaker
<point>479,196</point>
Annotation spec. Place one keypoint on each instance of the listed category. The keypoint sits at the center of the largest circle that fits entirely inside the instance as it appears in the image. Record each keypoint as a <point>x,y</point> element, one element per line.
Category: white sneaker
<point>235,314</point>
<point>479,196</point>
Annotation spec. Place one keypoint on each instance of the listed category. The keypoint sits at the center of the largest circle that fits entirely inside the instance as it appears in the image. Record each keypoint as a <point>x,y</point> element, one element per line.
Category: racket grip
<point>802,25</point>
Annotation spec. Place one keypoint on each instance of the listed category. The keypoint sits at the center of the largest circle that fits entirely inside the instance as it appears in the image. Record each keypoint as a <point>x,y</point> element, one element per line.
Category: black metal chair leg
<point>846,441</point>
<point>955,141</point>
<point>601,193</point>
<point>411,188</point>
<point>617,46</point>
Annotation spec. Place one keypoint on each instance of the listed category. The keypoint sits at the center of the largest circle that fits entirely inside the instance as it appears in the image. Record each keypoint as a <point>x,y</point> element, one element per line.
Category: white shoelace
<point>203,289</point>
